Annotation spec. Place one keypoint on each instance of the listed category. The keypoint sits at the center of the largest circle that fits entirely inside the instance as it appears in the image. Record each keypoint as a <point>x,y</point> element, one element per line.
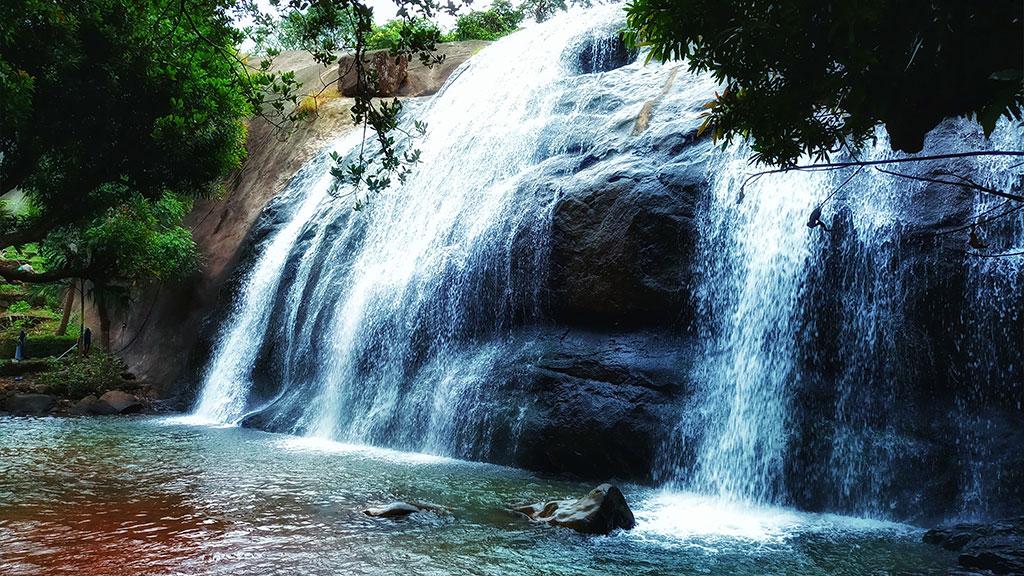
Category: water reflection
<point>144,496</point>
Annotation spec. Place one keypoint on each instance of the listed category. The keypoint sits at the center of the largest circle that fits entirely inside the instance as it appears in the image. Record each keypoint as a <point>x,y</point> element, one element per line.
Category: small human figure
<point>815,220</point>
<point>19,352</point>
<point>86,342</point>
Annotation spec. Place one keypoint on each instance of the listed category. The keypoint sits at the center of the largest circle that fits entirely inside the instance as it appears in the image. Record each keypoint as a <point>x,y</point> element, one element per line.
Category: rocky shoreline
<point>25,395</point>
<point>983,547</point>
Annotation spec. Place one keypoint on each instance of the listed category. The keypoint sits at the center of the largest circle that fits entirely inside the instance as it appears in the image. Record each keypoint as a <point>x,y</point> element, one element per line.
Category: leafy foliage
<point>541,10</point>
<point>323,27</point>
<point>76,377</point>
<point>815,77</point>
<point>19,307</point>
<point>500,19</point>
<point>113,113</point>
<point>396,34</point>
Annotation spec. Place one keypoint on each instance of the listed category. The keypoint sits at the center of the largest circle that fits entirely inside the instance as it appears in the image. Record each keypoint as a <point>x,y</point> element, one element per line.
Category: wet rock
<point>596,406</point>
<point>29,404</point>
<point>601,511</point>
<point>389,71</point>
<point>117,402</point>
<point>595,54</point>
<point>996,547</point>
<point>622,241</point>
<point>84,406</point>
<point>402,509</point>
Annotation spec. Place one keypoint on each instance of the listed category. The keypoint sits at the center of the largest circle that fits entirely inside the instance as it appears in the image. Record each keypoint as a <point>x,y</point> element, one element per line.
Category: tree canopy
<point>815,77</point>
<point>112,112</point>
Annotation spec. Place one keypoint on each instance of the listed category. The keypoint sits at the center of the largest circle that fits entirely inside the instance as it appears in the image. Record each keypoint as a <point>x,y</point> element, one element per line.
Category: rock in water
<point>600,512</point>
<point>29,404</point>
<point>996,547</point>
<point>117,402</point>
<point>402,509</point>
<point>84,406</point>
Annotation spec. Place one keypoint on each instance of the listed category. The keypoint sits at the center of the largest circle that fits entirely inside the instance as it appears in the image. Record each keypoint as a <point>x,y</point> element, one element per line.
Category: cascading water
<point>379,326</point>
<point>765,307</point>
<point>384,326</point>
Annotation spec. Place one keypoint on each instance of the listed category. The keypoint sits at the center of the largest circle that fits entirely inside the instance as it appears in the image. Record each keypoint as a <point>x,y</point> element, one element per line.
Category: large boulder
<point>996,547</point>
<point>622,243</point>
<point>596,405</point>
<point>117,402</point>
<point>601,511</point>
<point>84,406</point>
<point>387,71</point>
<point>29,404</point>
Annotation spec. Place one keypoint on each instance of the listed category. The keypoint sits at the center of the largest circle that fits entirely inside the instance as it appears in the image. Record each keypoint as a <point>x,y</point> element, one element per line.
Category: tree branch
<point>25,235</point>
<point>825,166</point>
<point>11,273</point>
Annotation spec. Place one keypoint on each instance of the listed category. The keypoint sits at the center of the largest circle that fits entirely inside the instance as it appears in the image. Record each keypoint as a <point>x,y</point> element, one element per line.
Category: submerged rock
<point>997,547</point>
<point>600,512</point>
<point>117,402</point>
<point>29,404</point>
<point>402,509</point>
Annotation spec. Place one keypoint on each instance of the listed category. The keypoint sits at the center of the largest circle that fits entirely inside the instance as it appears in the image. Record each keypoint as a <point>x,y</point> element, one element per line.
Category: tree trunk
<point>69,303</point>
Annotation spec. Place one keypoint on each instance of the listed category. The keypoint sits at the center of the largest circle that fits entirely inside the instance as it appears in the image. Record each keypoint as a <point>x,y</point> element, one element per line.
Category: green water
<point>150,496</point>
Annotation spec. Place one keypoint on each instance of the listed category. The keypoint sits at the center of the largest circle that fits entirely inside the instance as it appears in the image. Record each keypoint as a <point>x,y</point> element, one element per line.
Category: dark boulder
<point>117,402</point>
<point>601,54</point>
<point>597,405</point>
<point>622,243</point>
<point>996,547</point>
<point>29,404</point>
<point>388,71</point>
<point>601,511</point>
<point>84,406</point>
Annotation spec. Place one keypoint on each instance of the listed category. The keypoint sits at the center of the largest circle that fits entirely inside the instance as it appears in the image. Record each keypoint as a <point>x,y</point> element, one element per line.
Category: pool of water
<point>157,496</point>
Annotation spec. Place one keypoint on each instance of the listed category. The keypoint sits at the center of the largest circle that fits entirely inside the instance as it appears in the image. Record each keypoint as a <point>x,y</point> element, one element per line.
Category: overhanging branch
<point>11,273</point>
<point>826,166</point>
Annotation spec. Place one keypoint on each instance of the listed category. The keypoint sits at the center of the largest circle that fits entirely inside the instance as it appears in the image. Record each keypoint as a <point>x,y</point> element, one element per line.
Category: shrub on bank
<point>12,368</point>
<point>38,346</point>
<point>75,377</point>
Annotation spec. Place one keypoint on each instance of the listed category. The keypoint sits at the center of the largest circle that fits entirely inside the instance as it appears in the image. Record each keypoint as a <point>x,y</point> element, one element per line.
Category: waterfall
<point>820,352</point>
<point>775,294</point>
<point>380,325</point>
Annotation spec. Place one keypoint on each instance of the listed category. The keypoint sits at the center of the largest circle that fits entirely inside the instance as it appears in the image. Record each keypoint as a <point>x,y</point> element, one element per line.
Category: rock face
<point>622,242</point>
<point>29,404</point>
<point>601,511</point>
<point>997,547</point>
<point>595,404</point>
<point>117,402</point>
<point>167,328</point>
<point>388,72</point>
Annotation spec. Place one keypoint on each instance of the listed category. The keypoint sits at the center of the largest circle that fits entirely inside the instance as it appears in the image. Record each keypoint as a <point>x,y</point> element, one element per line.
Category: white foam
<point>683,516</point>
<point>315,444</point>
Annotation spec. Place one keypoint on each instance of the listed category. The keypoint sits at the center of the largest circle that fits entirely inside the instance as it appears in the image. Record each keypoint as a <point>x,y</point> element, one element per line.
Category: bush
<point>76,377</point>
<point>12,368</point>
<point>38,346</point>
<point>389,36</point>
<point>501,19</point>
<point>19,307</point>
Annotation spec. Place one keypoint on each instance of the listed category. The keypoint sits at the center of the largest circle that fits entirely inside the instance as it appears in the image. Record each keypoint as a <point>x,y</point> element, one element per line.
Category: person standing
<point>19,352</point>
